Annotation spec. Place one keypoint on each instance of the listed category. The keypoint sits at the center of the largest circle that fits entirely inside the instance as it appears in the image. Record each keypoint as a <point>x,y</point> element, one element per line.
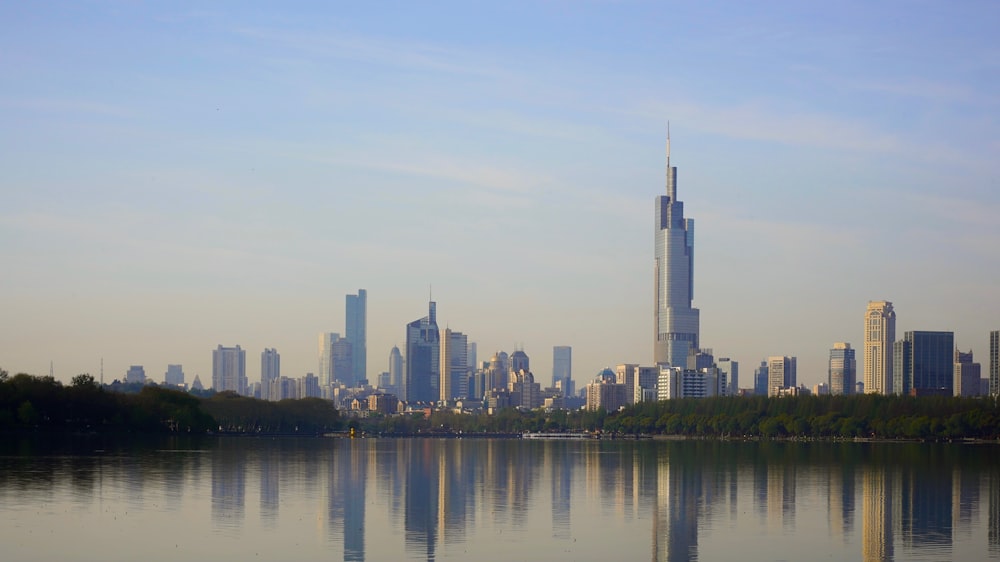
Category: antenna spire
<point>671,177</point>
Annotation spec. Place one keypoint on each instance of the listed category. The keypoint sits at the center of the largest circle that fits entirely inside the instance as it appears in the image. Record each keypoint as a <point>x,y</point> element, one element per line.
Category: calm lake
<point>505,499</point>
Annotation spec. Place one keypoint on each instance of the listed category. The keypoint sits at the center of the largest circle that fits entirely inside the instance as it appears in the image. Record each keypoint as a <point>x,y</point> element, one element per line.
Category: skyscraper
<point>519,362</point>
<point>931,363</point>
<point>562,364</point>
<point>336,360</point>
<point>395,369</point>
<point>995,363</point>
<point>174,376</point>
<point>676,322</point>
<point>880,334</point>
<point>423,353</point>
<point>967,374</point>
<point>843,369</point>
<point>229,369</point>
<point>357,334</point>
<point>454,370</point>
<point>781,373</point>
<point>270,371</point>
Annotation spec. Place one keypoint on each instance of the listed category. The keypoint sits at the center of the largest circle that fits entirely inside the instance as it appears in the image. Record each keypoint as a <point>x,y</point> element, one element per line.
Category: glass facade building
<point>676,322</point>
<point>357,333</point>
<point>931,363</point>
<point>843,369</point>
<point>423,355</point>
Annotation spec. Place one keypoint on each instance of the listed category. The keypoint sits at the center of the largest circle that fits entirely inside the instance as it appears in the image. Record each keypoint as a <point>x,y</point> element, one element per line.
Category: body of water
<point>504,499</point>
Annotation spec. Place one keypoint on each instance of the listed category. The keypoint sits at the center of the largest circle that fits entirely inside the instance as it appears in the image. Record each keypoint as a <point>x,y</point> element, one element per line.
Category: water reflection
<point>434,499</point>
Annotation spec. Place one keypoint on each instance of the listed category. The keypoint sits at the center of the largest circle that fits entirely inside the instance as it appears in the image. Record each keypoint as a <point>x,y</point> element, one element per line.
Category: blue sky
<point>178,176</point>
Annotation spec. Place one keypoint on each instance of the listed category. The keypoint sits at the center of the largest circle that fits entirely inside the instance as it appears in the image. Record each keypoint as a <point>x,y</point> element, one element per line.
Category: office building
<point>843,369</point>
<point>174,376</point>
<point>229,369</point>
<point>995,363</point>
<point>454,367</point>
<point>676,322</point>
<point>901,367</point>
<point>675,382</point>
<point>625,374</point>
<point>646,379</point>
<point>336,360</point>
<point>396,372</point>
<point>562,365</point>
<point>929,363</point>
<point>760,379</point>
<point>605,395</point>
<point>731,370</point>
<point>519,362</point>
<point>356,324</point>
<point>967,374</point>
<point>270,371</point>
<point>781,373</point>
<point>423,353</point>
<point>136,374</point>
<point>880,334</point>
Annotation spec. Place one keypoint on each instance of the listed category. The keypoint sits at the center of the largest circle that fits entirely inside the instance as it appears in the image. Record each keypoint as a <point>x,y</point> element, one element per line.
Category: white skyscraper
<point>880,334</point>
<point>229,369</point>
<point>676,322</point>
<point>270,371</point>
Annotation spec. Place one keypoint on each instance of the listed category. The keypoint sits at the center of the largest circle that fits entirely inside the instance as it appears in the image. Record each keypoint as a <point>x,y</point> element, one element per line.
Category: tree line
<point>30,402</point>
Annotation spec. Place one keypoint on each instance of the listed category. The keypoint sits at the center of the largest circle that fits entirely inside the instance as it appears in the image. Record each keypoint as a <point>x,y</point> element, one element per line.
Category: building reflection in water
<point>442,494</point>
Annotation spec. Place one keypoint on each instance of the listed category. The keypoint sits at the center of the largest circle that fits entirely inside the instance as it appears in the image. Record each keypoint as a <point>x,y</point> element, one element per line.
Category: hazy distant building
<point>731,370</point>
<point>843,369</point>
<point>967,374</point>
<point>760,379</point>
<point>454,367</point>
<point>336,360</point>
<point>396,372</point>
<point>880,334</point>
<point>781,373</point>
<point>136,374</point>
<point>929,363</point>
<point>821,389</point>
<point>562,364</point>
<point>357,333</point>
<point>229,369</point>
<point>519,362</point>
<point>174,376</point>
<point>995,363</point>
<point>270,371</point>
<point>497,372</point>
<point>423,353</point>
<point>676,322</point>
<point>525,393</point>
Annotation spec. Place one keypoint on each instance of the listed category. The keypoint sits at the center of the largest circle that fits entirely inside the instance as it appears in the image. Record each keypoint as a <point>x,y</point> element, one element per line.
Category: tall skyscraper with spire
<point>676,322</point>
<point>423,354</point>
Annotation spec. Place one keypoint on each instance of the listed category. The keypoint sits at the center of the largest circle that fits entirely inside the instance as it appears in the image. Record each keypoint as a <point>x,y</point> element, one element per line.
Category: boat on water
<point>557,435</point>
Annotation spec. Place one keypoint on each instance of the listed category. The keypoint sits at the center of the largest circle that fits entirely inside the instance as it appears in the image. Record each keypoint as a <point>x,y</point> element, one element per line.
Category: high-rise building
<point>423,353</point>
<point>270,371</point>
<point>229,369</point>
<point>843,369</point>
<point>929,368</point>
<point>901,358</point>
<point>496,375</point>
<point>967,374</point>
<point>336,360</point>
<point>625,374</point>
<point>454,368</point>
<point>731,370</point>
<point>562,364</point>
<point>676,322</point>
<point>880,334</point>
<point>395,370</point>
<point>781,373</point>
<point>519,362</point>
<point>174,376</point>
<point>136,374</point>
<point>357,334</point>
<point>995,363</point>
<point>760,379</point>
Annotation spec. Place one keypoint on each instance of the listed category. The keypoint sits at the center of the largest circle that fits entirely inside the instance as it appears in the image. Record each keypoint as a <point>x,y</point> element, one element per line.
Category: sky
<point>178,176</point>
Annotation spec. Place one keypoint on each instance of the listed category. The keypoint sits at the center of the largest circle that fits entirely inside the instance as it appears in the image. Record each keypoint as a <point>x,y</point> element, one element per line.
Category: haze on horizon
<point>175,177</point>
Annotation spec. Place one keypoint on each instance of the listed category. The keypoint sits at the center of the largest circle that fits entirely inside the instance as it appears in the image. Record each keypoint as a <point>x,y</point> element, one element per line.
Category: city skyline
<point>505,155</point>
